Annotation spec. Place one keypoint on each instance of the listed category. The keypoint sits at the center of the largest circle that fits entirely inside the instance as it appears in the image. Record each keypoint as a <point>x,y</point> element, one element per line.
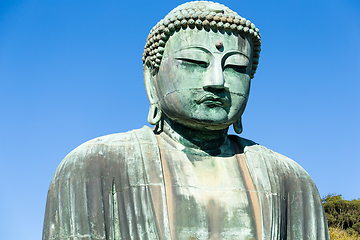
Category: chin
<point>205,124</point>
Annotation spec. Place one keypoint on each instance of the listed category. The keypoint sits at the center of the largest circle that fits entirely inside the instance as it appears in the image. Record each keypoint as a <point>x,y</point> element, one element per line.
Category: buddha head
<point>198,63</point>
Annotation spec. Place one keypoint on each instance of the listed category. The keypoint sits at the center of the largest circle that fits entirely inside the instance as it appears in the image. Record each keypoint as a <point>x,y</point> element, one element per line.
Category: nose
<point>215,80</point>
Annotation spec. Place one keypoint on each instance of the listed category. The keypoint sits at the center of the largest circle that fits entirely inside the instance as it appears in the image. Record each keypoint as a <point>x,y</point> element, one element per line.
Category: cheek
<point>238,104</point>
<point>177,79</point>
<point>164,80</point>
<point>179,103</point>
<point>182,97</point>
<point>239,85</point>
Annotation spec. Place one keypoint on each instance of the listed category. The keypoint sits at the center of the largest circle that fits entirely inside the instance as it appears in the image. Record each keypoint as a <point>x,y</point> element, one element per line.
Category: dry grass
<point>339,234</point>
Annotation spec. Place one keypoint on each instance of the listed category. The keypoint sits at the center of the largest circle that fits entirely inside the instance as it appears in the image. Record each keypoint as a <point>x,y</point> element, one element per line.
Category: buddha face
<point>203,81</point>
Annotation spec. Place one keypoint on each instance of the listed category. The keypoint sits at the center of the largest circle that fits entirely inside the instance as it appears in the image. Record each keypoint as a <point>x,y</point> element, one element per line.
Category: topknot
<point>202,15</point>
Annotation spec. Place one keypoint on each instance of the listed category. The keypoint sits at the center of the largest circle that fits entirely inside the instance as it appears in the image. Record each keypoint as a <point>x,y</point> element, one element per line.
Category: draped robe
<point>113,187</point>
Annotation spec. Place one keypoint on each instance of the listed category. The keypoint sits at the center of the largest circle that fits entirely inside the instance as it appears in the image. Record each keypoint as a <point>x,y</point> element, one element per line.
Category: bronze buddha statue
<point>187,178</point>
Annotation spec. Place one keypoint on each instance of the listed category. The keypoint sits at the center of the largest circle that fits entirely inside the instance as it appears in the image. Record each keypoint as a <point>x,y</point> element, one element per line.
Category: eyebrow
<point>204,49</point>
<point>232,52</point>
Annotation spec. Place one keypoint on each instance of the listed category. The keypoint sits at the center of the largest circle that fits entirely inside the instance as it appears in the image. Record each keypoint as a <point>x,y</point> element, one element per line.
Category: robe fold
<point>112,187</point>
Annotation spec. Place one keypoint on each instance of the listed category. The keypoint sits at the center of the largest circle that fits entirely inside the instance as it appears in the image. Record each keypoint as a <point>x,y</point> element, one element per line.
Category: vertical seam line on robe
<point>151,137</point>
<point>115,212</point>
<point>147,186</point>
<point>249,184</point>
<point>168,187</point>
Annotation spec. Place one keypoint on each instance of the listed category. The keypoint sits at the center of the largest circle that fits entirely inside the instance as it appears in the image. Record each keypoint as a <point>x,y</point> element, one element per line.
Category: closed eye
<point>194,62</point>
<point>237,68</point>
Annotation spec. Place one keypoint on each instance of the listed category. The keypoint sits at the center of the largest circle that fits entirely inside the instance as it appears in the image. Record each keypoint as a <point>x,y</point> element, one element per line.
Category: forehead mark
<point>219,44</point>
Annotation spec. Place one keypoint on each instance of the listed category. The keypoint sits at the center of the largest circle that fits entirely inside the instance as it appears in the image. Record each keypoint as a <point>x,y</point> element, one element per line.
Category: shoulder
<point>106,152</point>
<point>112,142</point>
<point>277,162</point>
<point>269,167</point>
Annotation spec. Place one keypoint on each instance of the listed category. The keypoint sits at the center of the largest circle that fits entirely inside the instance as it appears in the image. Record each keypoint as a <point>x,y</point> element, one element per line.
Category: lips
<point>213,100</point>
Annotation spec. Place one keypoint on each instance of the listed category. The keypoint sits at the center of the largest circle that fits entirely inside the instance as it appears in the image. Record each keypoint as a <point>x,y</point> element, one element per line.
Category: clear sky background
<point>71,71</point>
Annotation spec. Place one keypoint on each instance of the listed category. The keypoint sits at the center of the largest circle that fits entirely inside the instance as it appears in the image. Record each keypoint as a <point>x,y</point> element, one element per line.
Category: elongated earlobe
<point>155,113</point>
<point>238,126</point>
<point>154,116</point>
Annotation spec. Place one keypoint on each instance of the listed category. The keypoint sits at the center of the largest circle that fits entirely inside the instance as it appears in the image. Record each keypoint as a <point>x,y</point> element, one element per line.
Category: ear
<point>238,126</point>
<point>149,75</point>
<point>149,80</point>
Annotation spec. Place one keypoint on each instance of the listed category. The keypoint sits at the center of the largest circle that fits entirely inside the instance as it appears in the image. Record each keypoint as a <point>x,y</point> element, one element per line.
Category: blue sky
<point>71,71</point>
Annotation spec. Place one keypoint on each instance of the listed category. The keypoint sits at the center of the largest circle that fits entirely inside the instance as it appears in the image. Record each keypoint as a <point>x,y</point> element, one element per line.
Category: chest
<point>207,197</point>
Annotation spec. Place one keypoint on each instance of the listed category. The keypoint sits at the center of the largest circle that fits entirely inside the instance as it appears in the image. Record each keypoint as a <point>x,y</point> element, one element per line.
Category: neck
<point>189,137</point>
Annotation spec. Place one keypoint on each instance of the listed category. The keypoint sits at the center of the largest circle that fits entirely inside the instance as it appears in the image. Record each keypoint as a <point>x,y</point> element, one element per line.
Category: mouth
<point>212,100</point>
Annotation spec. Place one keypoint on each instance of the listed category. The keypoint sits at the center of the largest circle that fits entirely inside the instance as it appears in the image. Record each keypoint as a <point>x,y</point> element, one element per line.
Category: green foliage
<point>342,215</point>
<point>339,234</point>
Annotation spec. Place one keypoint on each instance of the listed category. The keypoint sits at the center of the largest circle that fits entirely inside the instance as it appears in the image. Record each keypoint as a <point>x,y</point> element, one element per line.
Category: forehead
<point>201,38</point>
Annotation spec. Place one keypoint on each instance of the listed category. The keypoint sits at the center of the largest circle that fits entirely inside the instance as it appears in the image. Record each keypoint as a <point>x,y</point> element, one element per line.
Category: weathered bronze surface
<point>186,178</point>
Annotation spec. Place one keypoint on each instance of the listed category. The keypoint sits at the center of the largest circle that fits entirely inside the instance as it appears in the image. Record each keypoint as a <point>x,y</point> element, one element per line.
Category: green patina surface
<point>186,178</point>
